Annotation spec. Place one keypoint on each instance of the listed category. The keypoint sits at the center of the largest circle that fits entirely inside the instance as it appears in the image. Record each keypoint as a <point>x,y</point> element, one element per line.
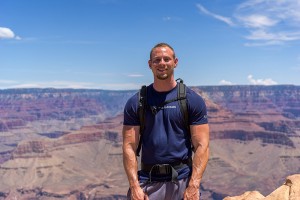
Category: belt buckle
<point>164,168</point>
<point>161,169</point>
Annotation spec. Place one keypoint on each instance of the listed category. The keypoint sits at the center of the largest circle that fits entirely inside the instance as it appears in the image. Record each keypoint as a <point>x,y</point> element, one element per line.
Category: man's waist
<point>164,166</point>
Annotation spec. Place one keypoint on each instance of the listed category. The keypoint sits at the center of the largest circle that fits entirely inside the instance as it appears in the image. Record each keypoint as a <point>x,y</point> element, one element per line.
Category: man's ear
<point>149,64</point>
<point>176,62</point>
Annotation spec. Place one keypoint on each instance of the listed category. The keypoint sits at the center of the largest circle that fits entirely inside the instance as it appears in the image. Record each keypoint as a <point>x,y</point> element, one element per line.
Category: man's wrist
<point>194,183</point>
<point>134,185</point>
<point>193,186</point>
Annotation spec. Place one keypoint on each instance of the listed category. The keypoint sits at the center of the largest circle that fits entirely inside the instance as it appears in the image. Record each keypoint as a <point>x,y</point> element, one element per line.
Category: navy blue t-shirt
<point>165,138</point>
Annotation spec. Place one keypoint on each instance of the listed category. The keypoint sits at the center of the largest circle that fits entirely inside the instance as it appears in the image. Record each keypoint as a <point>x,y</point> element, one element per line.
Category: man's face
<point>162,62</point>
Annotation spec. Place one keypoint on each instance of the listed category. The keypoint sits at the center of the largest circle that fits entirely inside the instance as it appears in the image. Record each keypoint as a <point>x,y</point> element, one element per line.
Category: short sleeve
<point>131,117</point>
<point>196,108</point>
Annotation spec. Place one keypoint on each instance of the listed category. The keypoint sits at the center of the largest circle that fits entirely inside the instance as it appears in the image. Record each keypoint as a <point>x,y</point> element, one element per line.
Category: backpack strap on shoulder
<point>141,112</point>
<point>181,96</point>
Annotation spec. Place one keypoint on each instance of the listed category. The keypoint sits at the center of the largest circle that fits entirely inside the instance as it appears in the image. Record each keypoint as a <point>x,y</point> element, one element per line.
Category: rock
<point>290,190</point>
<point>253,195</point>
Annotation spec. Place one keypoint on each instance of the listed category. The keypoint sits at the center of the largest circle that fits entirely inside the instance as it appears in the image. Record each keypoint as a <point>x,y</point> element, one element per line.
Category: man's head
<point>162,45</point>
<point>162,61</point>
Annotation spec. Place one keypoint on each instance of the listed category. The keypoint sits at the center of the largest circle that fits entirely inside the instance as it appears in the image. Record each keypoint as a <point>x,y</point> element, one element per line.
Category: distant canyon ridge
<point>67,143</point>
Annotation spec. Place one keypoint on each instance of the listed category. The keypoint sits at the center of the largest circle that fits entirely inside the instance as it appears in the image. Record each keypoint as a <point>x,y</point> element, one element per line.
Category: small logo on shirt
<point>169,107</point>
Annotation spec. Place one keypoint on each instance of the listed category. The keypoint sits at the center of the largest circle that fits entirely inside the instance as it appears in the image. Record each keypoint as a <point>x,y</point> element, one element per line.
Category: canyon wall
<point>66,143</point>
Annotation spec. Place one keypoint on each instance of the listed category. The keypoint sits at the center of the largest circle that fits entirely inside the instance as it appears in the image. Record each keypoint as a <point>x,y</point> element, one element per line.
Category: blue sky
<point>105,44</point>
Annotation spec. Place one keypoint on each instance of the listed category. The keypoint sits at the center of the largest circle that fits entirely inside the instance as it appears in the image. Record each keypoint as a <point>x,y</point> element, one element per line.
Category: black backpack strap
<point>181,96</point>
<point>141,112</point>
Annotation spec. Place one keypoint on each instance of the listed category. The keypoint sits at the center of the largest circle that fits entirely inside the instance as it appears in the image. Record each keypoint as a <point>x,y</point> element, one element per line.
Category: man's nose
<point>162,61</point>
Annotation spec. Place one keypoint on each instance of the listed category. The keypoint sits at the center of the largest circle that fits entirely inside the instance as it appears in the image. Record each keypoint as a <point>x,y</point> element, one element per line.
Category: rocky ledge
<point>290,190</point>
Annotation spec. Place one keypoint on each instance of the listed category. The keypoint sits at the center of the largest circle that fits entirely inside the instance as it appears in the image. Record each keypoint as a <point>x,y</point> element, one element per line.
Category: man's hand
<point>138,194</point>
<point>191,193</point>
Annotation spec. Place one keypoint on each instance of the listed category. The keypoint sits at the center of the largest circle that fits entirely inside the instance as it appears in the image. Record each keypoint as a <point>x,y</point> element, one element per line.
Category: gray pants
<point>164,190</point>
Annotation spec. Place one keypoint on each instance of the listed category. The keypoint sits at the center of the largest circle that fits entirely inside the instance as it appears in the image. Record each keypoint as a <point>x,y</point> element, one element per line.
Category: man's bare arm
<point>130,143</point>
<point>200,141</point>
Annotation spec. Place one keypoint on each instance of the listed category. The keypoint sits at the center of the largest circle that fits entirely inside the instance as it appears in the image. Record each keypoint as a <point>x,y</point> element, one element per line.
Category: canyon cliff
<point>66,143</point>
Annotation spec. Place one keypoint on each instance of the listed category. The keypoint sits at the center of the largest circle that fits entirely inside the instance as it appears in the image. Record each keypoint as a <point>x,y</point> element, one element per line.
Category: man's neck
<point>164,85</point>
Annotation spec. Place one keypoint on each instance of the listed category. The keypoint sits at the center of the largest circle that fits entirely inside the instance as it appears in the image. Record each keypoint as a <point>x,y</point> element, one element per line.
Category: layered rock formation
<point>84,164</point>
<point>255,138</point>
<point>66,144</point>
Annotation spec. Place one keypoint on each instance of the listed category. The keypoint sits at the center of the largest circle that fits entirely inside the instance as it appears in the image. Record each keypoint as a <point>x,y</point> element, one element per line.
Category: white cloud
<point>216,16</point>
<point>273,21</point>
<point>257,21</point>
<point>268,22</point>
<point>6,84</point>
<point>277,9</point>
<point>6,33</point>
<point>279,36</point>
<point>54,84</point>
<point>264,43</point>
<point>224,82</point>
<point>135,75</point>
<point>267,81</point>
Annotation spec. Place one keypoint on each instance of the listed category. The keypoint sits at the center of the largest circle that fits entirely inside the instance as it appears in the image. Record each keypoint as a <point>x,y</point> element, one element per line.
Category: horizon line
<point>191,86</point>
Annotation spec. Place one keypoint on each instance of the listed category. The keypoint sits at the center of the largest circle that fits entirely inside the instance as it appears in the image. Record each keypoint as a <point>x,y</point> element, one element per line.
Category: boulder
<point>290,190</point>
<point>253,195</point>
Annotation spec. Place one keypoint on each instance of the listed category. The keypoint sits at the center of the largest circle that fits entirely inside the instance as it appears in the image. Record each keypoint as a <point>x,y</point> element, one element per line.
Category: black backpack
<point>142,106</point>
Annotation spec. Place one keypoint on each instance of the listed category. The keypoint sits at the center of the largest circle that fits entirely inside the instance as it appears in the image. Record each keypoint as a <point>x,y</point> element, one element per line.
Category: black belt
<point>166,169</point>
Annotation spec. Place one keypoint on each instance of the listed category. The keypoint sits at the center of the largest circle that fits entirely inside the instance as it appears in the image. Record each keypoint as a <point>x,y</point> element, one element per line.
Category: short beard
<point>164,77</point>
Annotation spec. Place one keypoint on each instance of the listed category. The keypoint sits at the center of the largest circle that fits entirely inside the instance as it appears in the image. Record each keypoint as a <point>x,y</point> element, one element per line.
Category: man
<point>168,171</point>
